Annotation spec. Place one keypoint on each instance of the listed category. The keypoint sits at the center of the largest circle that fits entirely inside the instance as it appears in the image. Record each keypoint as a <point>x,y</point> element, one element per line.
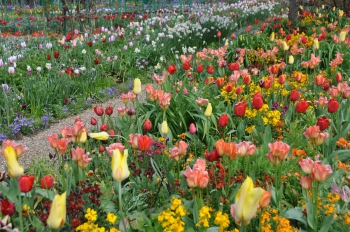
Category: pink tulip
<point>174,153</point>
<point>321,172</point>
<point>278,149</point>
<point>133,140</point>
<point>77,153</point>
<point>306,182</point>
<point>198,176</point>
<point>84,161</point>
<point>202,101</point>
<point>113,147</point>
<point>66,132</point>
<point>312,132</point>
<point>53,140</point>
<point>192,129</point>
<point>62,146</point>
<point>334,92</point>
<point>321,138</point>
<point>307,165</point>
<point>122,111</point>
<point>322,101</point>
<point>164,100</point>
<point>245,148</point>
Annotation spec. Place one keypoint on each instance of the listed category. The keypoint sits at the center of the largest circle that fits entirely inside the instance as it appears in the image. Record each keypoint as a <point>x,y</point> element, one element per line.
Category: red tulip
<point>109,110</point>
<point>247,79</point>
<point>7,208</point>
<point>147,125</point>
<point>333,105</point>
<point>101,149</point>
<point>220,81</point>
<point>98,110</point>
<point>325,86</point>
<point>48,57</point>
<point>240,108</point>
<point>258,101</point>
<point>208,80</point>
<point>212,156</point>
<point>46,182</point>
<point>282,79</point>
<point>200,68</point>
<point>26,183</point>
<point>233,66</point>
<point>144,143</point>
<point>172,69</point>
<point>186,65</point>
<point>111,133</point>
<point>301,106</point>
<point>229,87</point>
<point>56,55</point>
<point>323,123</point>
<point>223,120</point>
<point>294,95</point>
<point>104,127</point>
<point>93,121</point>
<point>210,69</point>
<point>89,44</point>
<point>96,61</point>
<point>338,77</point>
<point>239,90</point>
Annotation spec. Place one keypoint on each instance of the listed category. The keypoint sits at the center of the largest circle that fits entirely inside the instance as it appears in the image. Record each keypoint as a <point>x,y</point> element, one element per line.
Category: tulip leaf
<point>310,213</point>
<point>326,224</point>
<point>295,215</point>
<point>189,222</point>
<point>108,206</point>
<point>45,193</point>
<point>267,134</point>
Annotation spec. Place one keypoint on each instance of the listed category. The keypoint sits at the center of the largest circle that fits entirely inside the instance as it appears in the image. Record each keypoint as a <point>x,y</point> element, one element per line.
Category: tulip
<point>240,109</point>
<point>186,65</point>
<point>272,37</point>
<point>57,216</point>
<point>306,182</point>
<point>294,95</point>
<point>200,68</point>
<point>104,127</point>
<point>316,45</point>
<point>291,59</point>
<point>147,125</point>
<point>218,34</point>
<point>220,147</point>
<point>26,183</point>
<point>56,54</point>
<point>338,77</point>
<point>246,202</point>
<point>321,172</point>
<point>212,156</point>
<point>311,132</point>
<point>99,136</point>
<point>210,69</point>
<point>144,143</point>
<point>223,120</point>
<point>220,81</point>
<point>301,106</point>
<point>120,170</point>
<point>333,105</point>
<point>265,199</point>
<point>231,150</point>
<point>342,36</point>
<point>323,123</point>
<point>53,140</point>
<point>7,208</point>
<point>285,46</point>
<point>198,176</point>
<point>278,152</point>
<point>321,138</point>
<point>137,86</point>
<point>172,69</point>
<point>46,182</point>
<point>14,168</point>
<point>109,110</point>
<point>307,165</point>
<point>11,70</point>
<point>209,110</point>
<point>164,128</point>
<point>19,148</point>
<point>192,129</point>
<point>98,110</point>
<point>282,79</point>
<point>258,101</point>
<point>62,145</point>
<point>245,148</point>
<point>233,66</point>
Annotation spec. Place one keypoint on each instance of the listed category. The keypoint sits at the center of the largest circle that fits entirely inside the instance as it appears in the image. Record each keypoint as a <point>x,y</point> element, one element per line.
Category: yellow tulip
<point>247,201</point>
<point>164,128</point>
<point>316,45</point>
<point>83,137</point>
<point>14,168</point>
<point>137,86</point>
<point>209,110</point>
<point>120,170</point>
<point>272,37</point>
<point>57,216</point>
<point>99,136</point>
<point>285,46</point>
<point>342,36</point>
<point>226,42</point>
<point>291,59</point>
<point>322,6</point>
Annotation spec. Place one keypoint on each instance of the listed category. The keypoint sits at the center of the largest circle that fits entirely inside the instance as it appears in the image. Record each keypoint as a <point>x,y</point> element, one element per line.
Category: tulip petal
<point>57,216</point>
<point>14,168</point>
<point>251,204</point>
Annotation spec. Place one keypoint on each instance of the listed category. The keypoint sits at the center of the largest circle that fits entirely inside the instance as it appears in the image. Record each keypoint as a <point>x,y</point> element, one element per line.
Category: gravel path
<point>37,144</point>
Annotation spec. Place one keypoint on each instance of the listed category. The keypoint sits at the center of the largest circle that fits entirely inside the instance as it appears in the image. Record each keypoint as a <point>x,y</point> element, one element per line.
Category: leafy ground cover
<point>248,131</point>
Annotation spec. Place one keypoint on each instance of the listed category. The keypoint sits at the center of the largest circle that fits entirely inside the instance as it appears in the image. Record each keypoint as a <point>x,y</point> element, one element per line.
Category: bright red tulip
<point>233,66</point>
<point>323,123</point>
<point>294,95</point>
<point>223,120</point>
<point>247,79</point>
<point>46,182</point>
<point>56,55</point>
<point>325,86</point>
<point>89,44</point>
<point>200,68</point>
<point>172,69</point>
<point>333,105</point>
<point>96,61</point>
<point>48,57</point>
<point>258,101</point>
<point>147,125</point>
<point>109,110</point>
<point>98,110</point>
<point>210,69</point>
<point>240,108</point>
<point>93,121</point>
<point>301,106</point>
<point>239,90</point>
<point>7,208</point>
<point>186,65</point>
<point>26,183</point>
<point>220,81</point>
<point>144,143</point>
<point>104,127</point>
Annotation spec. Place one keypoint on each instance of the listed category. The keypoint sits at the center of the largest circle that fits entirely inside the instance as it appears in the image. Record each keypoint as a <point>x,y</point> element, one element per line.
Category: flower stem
<point>121,204</point>
<point>20,208</point>
<point>315,196</point>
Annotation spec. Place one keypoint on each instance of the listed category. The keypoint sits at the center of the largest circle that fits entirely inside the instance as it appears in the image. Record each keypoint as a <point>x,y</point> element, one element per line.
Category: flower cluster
<point>170,219</point>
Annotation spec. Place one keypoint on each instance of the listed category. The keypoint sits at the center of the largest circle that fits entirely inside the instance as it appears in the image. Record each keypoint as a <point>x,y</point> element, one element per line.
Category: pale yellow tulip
<point>137,86</point>
<point>209,110</point>
<point>57,216</point>
<point>100,135</point>
<point>120,169</point>
<point>14,168</point>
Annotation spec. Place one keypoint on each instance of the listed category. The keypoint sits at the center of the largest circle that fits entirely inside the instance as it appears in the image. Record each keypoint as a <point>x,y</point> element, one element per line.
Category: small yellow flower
<point>111,218</point>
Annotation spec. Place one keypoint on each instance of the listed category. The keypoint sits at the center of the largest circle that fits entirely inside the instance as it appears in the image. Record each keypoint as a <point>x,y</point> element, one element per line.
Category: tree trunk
<point>293,10</point>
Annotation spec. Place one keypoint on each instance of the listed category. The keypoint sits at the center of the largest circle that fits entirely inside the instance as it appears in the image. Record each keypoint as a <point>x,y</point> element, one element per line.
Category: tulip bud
<point>93,121</point>
<point>265,199</point>
<point>98,110</point>
<point>192,129</point>
<point>164,128</point>
<point>272,37</point>
<point>58,211</point>
<point>7,208</point>
<point>147,125</point>
<point>137,86</point>
<point>285,46</point>
<point>282,79</point>
<point>47,182</point>
<point>109,110</point>
<point>208,111</point>
<point>306,182</point>
<point>101,149</point>
<point>338,77</point>
<point>316,45</point>
<point>26,183</point>
<point>99,136</point>
<point>111,133</point>
<point>342,36</point>
<point>104,127</point>
<point>291,59</point>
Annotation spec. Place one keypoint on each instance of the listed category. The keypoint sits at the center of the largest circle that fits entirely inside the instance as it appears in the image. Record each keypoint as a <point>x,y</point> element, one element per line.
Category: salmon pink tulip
<point>306,182</point>
<point>19,148</point>
<point>245,148</point>
<point>198,176</point>
<point>321,172</point>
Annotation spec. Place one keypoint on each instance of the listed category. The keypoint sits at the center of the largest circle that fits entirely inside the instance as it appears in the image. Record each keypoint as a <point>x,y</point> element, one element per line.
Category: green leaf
<point>108,206</point>
<point>310,213</point>
<point>326,224</point>
<point>45,193</point>
<point>268,134</point>
<point>295,215</point>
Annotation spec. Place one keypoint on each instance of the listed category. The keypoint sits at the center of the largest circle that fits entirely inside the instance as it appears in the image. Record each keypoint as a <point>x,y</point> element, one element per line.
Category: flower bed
<point>248,134</point>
